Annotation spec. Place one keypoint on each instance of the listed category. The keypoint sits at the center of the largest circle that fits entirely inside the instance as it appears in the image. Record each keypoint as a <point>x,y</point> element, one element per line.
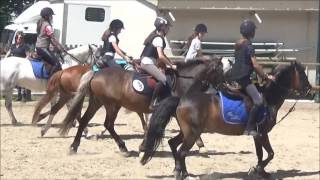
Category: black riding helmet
<point>201,28</point>
<point>46,12</point>
<point>116,24</point>
<point>248,28</point>
<point>159,22</point>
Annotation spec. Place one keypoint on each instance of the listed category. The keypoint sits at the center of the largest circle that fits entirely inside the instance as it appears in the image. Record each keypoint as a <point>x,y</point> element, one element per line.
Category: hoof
<point>43,132</point>
<point>125,153</point>
<point>177,175</point>
<point>72,151</point>
<point>252,171</point>
<point>14,122</point>
<point>203,150</point>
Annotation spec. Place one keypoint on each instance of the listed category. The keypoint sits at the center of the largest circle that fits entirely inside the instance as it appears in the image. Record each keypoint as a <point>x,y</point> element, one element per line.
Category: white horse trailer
<point>80,22</point>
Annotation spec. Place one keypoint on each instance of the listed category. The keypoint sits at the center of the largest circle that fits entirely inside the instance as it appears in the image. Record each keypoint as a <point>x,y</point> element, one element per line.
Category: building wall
<point>296,29</point>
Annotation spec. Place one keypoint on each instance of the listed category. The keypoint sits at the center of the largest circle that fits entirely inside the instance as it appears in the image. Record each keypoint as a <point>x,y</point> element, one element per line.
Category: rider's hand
<point>128,59</point>
<point>271,77</point>
<point>174,67</point>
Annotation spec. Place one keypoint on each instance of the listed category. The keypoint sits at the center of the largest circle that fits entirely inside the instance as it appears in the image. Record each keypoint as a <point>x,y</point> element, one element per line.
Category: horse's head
<point>213,73</point>
<point>82,55</point>
<point>293,77</point>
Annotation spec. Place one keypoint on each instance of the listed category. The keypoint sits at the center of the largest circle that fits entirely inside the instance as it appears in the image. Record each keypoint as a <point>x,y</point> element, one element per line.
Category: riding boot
<point>251,124</point>
<point>19,97</point>
<point>55,69</point>
<point>27,95</point>
<point>156,95</point>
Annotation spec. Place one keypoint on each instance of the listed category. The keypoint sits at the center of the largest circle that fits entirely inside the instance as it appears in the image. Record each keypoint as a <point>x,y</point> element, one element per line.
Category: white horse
<point>15,71</point>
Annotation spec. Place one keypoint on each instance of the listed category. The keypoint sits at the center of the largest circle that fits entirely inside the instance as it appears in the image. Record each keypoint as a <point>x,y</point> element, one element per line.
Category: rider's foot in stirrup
<point>251,133</point>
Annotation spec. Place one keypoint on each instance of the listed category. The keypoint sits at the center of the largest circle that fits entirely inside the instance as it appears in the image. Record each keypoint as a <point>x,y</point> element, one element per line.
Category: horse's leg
<point>189,140</point>
<point>40,105</point>
<point>200,144</point>
<point>54,109</point>
<point>78,118</point>
<point>174,143</point>
<point>93,106</point>
<point>146,117</point>
<point>265,143</point>
<point>143,122</point>
<point>112,112</point>
<point>8,104</point>
<point>144,127</point>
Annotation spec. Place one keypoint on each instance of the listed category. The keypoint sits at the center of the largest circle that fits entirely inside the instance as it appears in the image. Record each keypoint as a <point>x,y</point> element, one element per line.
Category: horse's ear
<point>90,47</point>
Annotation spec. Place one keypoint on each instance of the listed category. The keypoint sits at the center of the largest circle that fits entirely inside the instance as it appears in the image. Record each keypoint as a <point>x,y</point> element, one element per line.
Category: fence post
<point>317,96</point>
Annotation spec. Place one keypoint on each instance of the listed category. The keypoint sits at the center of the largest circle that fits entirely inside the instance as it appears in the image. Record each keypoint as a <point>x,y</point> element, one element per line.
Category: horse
<point>199,112</point>
<point>112,88</point>
<point>17,71</point>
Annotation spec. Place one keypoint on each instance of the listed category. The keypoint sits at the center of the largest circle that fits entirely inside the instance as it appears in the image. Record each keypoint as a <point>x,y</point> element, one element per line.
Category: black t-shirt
<point>243,67</point>
<point>19,51</point>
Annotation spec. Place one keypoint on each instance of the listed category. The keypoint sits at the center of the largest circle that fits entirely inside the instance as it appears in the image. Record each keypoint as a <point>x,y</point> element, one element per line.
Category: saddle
<point>236,105</point>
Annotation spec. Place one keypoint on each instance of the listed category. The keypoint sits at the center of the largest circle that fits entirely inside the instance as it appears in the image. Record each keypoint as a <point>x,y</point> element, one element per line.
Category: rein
<point>76,59</point>
<point>290,110</point>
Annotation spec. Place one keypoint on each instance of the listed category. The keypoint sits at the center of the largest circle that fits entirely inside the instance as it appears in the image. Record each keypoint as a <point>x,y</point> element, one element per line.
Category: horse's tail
<point>77,102</point>
<point>158,122</point>
<point>52,89</point>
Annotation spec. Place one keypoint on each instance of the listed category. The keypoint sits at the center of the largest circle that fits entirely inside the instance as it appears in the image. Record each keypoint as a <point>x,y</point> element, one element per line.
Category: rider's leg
<point>47,56</point>
<point>161,84</point>
<point>19,97</point>
<point>257,99</point>
<point>112,63</point>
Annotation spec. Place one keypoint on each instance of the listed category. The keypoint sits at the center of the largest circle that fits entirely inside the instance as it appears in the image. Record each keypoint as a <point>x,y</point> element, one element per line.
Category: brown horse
<point>112,88</point>
<point>64,83</point>
<point>198,112</point>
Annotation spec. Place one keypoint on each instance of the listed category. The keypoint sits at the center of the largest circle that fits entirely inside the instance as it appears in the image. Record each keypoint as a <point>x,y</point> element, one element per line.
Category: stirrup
<point>95,68</point>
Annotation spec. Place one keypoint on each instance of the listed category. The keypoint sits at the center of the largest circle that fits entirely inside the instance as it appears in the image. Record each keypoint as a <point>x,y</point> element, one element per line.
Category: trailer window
<point>6,39</point>
<point>95,14</point>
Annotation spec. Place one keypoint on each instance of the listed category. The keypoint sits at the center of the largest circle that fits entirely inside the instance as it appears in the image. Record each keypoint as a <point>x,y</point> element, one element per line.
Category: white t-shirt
<point>157,42</point>
<point>112,39</point>
<point>193,49</point>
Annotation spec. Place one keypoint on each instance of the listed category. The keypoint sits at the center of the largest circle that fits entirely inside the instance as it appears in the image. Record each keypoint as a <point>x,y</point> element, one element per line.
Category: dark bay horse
<point>112,88</point>
<point>198,112</point>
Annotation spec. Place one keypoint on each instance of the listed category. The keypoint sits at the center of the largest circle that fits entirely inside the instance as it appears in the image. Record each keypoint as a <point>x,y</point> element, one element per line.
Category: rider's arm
<point>258,68</point>
<point>49,32</point>
<point>8,53</point>
<point>163,58</point>
<point>120,52</point>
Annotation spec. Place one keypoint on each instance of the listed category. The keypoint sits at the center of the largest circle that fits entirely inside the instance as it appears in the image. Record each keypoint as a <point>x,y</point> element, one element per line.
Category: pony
<point>15,71</point>
<point>112,88</point>
<point>199,112</point>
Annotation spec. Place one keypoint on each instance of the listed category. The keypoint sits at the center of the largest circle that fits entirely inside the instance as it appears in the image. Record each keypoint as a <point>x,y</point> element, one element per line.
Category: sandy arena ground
<point>26,155</point>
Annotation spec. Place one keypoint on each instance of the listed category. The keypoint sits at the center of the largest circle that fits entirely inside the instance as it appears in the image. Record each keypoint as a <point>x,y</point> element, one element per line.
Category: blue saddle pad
<point>235,112</point>
<point>38,69</point>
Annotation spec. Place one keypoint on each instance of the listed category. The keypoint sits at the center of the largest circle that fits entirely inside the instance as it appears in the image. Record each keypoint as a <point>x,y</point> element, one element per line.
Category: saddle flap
<point>143,83</point>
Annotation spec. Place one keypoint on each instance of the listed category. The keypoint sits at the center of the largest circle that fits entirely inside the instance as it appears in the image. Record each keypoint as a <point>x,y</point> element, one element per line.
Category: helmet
<point>45,12</point>
<point>160,21</point>
<point>247,28</point>
<point>116,24</point>
<point>201,28</point>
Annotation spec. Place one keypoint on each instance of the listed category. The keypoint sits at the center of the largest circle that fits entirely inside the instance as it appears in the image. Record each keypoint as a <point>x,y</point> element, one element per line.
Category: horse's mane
<point>182,64</point>
<point>281,69</point>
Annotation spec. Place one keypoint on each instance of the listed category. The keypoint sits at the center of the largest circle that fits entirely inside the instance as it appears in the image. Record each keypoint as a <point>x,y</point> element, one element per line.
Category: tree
<point>12,8</point>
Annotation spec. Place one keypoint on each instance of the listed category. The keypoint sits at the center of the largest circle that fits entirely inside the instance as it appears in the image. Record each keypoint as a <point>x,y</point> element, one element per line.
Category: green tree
<point>12,8</point>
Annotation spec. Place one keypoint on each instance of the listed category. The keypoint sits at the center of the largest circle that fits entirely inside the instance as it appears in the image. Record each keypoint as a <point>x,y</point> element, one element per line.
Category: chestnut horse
<point>198,112</point>
<point>112,88</point>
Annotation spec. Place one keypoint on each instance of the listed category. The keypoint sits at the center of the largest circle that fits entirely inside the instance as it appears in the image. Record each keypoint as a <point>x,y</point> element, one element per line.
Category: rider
<point>245,63</point>
<point>45,38</point>
<point>110,46</point>
<point>153,54</point>
<point>194,42</point>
